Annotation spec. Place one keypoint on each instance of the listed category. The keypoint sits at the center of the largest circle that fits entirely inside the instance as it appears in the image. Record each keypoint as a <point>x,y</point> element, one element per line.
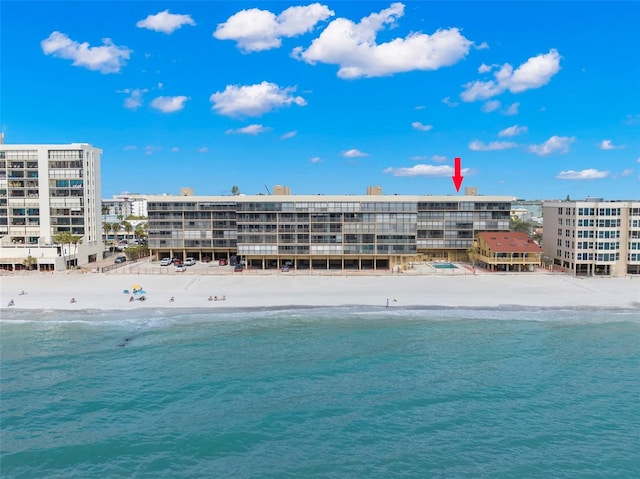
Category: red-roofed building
<point>512,251</point>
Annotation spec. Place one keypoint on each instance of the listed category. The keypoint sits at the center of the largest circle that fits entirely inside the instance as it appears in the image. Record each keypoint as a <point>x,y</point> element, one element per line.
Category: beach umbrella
<point>136,286</point>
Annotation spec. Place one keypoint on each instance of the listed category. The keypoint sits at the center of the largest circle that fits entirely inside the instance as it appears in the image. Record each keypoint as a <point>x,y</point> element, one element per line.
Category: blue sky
<point>539,100</point>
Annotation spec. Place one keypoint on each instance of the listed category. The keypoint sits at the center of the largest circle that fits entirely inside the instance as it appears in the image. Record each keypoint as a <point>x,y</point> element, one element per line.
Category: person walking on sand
<point>387,302</point>
<point>73,300</point>
<point>172,299</point>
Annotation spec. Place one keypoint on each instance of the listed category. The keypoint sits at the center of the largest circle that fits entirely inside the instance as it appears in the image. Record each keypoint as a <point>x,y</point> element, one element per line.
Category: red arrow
<point>457,177</point>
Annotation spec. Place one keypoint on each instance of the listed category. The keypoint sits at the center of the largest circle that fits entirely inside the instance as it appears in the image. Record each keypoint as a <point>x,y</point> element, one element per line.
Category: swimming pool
<point>444,265</point>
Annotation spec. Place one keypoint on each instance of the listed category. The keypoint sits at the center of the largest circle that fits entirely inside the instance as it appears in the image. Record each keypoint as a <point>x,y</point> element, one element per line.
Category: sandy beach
<point>107,291</point>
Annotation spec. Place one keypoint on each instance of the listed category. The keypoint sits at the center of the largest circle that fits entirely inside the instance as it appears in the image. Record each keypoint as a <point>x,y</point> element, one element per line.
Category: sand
<point>105,290</point>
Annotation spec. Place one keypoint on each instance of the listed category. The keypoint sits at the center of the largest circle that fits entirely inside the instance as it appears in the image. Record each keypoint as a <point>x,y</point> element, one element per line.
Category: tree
<point>63,238</point>
<point>127,227</point>
<point>29,262</point>
<point>106,227</point>
<point>140,231</point>
<point>518,225</point>
<point>472,253</point>
<point>235,190</point>
<point>115,227</point>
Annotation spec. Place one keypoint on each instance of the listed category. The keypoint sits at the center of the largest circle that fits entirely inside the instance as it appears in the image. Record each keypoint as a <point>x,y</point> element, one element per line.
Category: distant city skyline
<point>539,100</point>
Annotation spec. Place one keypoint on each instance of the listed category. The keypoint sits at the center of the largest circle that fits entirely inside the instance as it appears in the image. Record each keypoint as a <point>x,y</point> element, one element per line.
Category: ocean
<point>343,392</point>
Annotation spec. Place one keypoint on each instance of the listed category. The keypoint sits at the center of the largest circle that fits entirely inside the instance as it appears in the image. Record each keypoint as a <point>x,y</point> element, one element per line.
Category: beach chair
<point>125,291</point>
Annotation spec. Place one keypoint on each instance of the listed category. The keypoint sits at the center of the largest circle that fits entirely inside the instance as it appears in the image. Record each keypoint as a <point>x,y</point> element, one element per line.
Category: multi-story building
<point>322,232</point>
<point>125,204</point>
<point>46,190</point>
<point>593,237</point>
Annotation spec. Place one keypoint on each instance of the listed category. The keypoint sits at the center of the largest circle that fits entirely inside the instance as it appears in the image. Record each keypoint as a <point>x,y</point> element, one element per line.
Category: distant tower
<point>281,190</point>
<point>374,190</point>
<point>471,191</point>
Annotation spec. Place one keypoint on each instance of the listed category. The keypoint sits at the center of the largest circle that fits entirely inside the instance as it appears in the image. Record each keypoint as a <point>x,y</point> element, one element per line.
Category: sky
<point>539,100</point>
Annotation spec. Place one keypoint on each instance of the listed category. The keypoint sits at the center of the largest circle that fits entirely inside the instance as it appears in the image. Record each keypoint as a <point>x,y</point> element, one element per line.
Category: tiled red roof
<point>512,242</point>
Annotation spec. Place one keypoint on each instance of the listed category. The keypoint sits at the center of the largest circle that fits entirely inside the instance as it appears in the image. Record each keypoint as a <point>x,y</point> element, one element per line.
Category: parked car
<point>166,261</point>
<point>181,268</point>
<point>120,259</point>
<point>222,262</point>
<point>177,261</point>
<point>189,261</point>
<point>238,268</point>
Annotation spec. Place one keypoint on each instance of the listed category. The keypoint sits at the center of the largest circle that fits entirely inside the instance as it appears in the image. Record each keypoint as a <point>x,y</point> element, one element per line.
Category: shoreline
<point>105,292</point>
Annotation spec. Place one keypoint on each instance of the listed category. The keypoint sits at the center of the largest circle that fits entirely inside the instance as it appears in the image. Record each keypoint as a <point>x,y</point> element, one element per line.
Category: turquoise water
<point>444,265</point>
<point>320,393</point>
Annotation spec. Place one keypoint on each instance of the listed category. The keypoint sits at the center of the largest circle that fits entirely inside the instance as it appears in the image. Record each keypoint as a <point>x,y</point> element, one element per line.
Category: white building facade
<point>46,190</point>
<point>593,237</point>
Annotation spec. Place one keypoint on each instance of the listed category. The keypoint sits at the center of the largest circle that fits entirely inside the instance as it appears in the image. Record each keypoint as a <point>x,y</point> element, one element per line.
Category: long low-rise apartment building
<point>321,231</point>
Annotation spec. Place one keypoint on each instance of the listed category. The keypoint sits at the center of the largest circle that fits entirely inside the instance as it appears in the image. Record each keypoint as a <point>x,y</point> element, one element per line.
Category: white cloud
<point>135,99</point>
<point>130,148</point>
<point>169,104</point>
<point>165,22</point>
<point>418,158</point>
<point>202,149</point>
<point>253,100</point>
<point>419,126</point>
<point>150,149</point>
<point>476,145</point>
<point>175,149</point>
<point>534,73</point>
<point>482,46</point>
<point>249,130</point>
<point>420,107</point>
<point>484,68</point>
<point>511,110</point>
<point>608,145</point>
<point>512,131</point>
<point>631,119</point>
<point>255,30</point>
<point>289,134</point>
<point>447,101</point>
<point>638,160</point>
<point>555,144</point>
<point>353,47</point>
<point>108,58</point>
<point>315,159</point>
<point>353,153</point>
<point>588,174</point>
<point>490,106</point>
<point>424,170</point>
<point>626,172</point>
<point>439,158</point>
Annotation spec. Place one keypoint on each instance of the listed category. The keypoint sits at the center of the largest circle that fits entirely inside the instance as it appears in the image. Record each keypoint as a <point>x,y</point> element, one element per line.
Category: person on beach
<point>210,298</point>
<point>22,293</point>
<point>73,300</point>
<point>130,299</point>
<point>172,299</point>
<point>387,302</point>
<point>11,303</point>
<point>224,298</point>
<point>215,298</point>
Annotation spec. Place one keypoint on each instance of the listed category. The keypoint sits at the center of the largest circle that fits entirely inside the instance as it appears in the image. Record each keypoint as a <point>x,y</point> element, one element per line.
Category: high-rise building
<point>322,231</point>
<point>593,237</point>
<point>46,190</point>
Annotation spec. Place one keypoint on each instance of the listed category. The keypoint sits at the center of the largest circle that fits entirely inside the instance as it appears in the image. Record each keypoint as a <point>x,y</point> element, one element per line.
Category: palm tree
<point>127,227</point>
<point>235,190</point>
<point>106,227</point>
<point>140,231</point>
<point>115,227</point>
<point>472,253</point>
<point>63,238</point>
<point>29,262</point>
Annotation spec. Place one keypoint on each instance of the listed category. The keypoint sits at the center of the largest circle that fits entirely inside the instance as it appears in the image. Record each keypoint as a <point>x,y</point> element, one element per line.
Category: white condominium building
<point>46,190</point>
<point>593,237</point>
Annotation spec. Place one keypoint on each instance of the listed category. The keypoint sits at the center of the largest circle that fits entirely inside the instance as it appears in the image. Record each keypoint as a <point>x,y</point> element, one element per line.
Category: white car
<point>165,262</point>
<point>189,261</point>
<point>181,268</point>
